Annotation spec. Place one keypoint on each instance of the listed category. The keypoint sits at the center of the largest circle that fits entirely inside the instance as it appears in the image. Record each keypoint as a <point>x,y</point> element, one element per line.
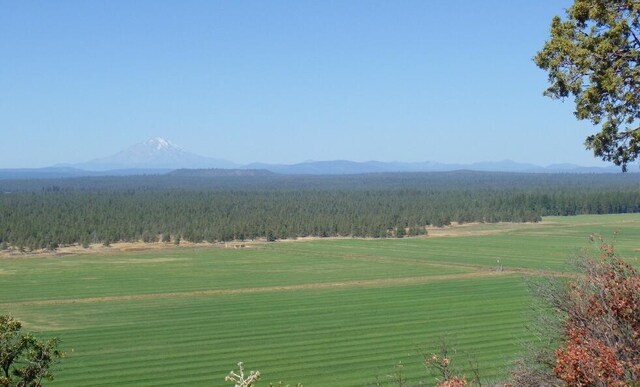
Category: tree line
<point>47,214</point>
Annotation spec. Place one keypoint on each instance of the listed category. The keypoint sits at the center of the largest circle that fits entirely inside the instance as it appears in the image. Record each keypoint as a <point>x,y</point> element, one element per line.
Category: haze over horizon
<point>284,82</point>
<point>142,155</point>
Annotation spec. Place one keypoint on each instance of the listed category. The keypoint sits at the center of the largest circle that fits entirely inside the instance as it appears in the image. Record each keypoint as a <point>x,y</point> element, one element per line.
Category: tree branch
<point>635,38</point>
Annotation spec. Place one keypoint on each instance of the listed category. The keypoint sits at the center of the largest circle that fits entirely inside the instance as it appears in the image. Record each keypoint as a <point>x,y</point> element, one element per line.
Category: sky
<point>449,81</point>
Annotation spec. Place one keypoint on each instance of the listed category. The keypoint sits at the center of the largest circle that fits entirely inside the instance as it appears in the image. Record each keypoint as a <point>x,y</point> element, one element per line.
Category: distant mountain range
<point>341,167</point>
<point>160,156</point>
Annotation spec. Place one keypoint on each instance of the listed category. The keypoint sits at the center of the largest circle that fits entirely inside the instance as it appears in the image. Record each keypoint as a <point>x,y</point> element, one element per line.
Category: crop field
<point>334,312</point>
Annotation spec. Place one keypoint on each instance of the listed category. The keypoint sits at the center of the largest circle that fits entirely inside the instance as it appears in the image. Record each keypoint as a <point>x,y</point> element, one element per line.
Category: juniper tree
<point>593,55</point>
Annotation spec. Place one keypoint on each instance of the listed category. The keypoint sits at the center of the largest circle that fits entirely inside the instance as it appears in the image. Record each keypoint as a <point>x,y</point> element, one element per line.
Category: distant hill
<point>215,172</point>
<point>336,167</point>
<point>345,167</point>
<point>41,173</point>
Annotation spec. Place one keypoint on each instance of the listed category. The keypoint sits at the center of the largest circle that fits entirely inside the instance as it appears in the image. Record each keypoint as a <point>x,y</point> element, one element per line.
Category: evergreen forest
<point>36,214</point>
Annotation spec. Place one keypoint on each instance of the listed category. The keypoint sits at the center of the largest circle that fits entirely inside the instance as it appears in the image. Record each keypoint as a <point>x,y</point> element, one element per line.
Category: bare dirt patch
<point>99,249</point>
<point>39,325</point>
<point>478,229</point>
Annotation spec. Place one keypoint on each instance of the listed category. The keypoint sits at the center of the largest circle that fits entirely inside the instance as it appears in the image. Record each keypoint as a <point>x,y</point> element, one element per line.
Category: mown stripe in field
<point>472,251</point>
<point>423,260</point>
<point>216,292</point>
<point>338,337</point>
<point>322,285</point>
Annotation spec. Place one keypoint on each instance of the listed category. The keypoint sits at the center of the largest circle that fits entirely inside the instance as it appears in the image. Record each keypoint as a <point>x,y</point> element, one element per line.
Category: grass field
<point>337,312</point>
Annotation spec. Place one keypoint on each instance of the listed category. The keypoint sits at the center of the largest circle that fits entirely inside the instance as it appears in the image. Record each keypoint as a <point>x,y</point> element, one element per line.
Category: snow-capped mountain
<point>155,153</point>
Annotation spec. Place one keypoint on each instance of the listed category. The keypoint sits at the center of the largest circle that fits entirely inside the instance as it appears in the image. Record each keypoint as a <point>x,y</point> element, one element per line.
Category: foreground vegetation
<point>332,312</point>
<point>49,213</point>
<point>24,360</point>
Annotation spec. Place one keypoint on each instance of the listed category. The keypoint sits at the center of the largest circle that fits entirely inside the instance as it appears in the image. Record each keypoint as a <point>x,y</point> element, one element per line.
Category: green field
<point>336,312</point>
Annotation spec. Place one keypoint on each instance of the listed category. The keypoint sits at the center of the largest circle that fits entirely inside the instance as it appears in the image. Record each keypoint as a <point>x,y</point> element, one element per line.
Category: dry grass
<point>143,260</point>
<point>122,247</point>
<point>478,229</point>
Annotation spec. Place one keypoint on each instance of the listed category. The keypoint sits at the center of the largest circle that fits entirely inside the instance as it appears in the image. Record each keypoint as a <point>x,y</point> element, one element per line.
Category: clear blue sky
<point>282,81</point>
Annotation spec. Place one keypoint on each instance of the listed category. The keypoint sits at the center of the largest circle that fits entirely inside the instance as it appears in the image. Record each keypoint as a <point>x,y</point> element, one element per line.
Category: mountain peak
<point>160,143</point>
